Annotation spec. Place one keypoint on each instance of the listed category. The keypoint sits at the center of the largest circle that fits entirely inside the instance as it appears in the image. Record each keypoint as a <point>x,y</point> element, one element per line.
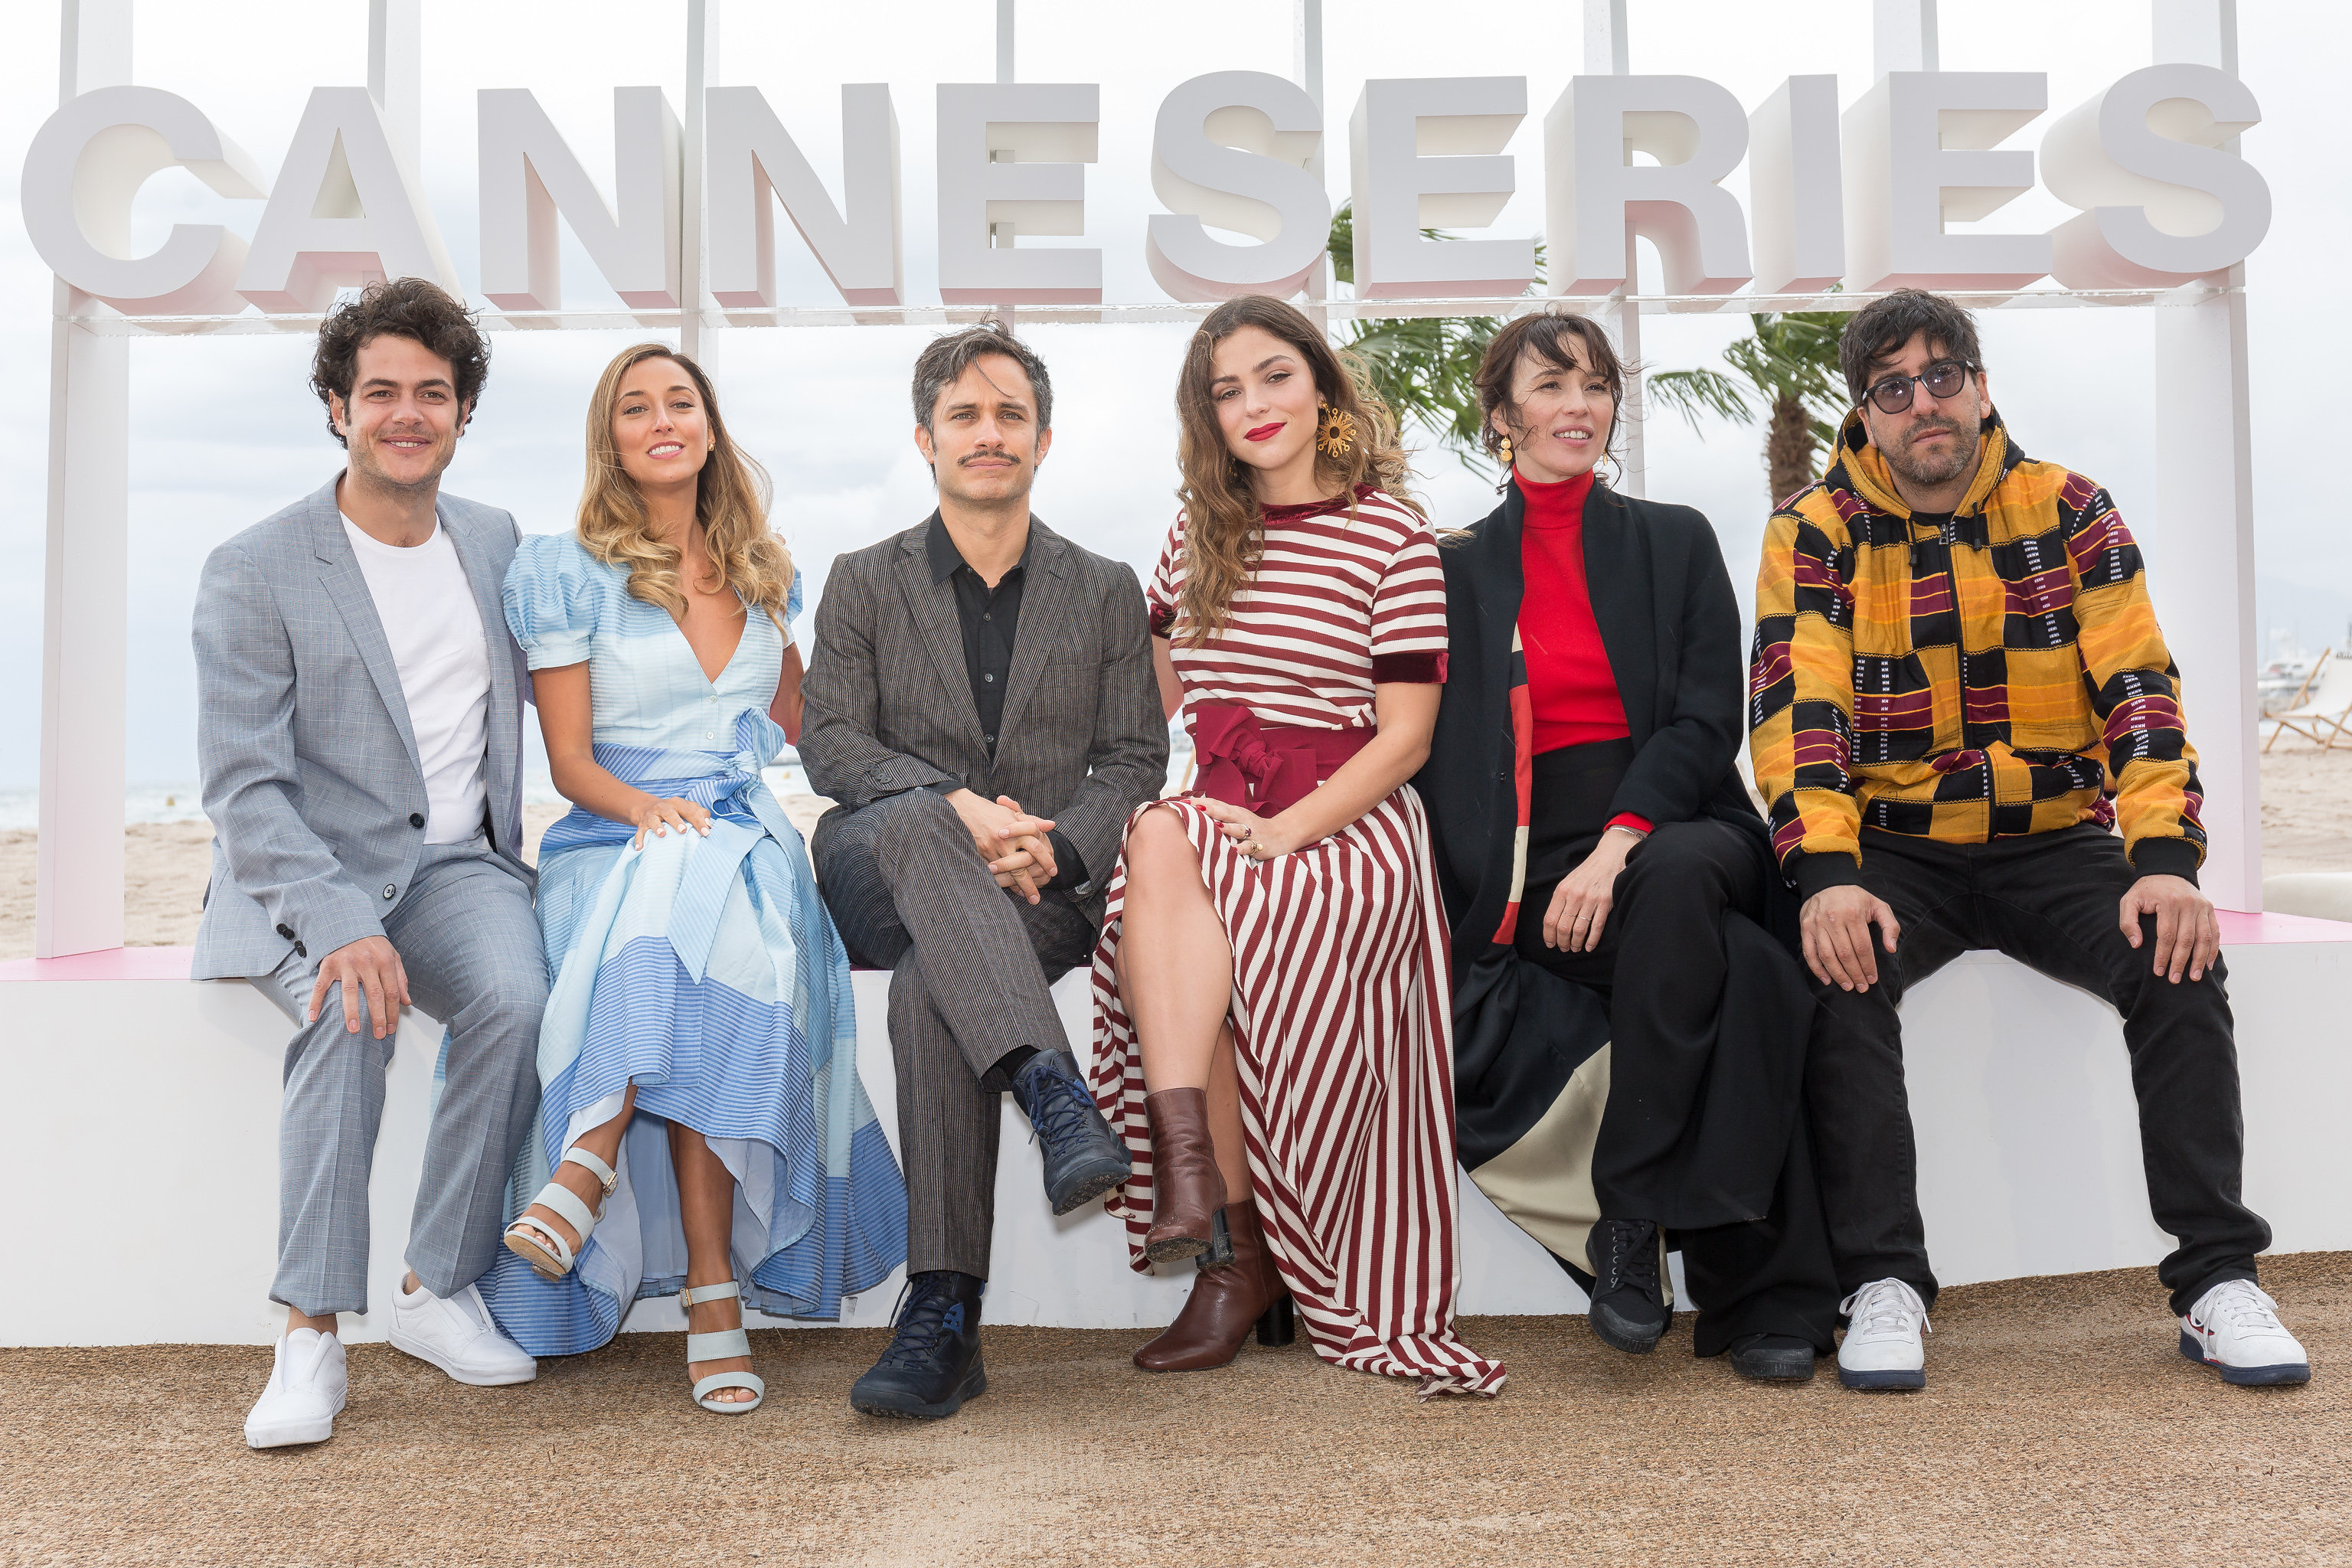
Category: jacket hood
<point>1866,471</point>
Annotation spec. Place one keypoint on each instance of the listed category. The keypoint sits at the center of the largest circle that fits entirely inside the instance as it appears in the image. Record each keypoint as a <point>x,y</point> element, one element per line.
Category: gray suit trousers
<point>467,938</point>
<point>970,964</point>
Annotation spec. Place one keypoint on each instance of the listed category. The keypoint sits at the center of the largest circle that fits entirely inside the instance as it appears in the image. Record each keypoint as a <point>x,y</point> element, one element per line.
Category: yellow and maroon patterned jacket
<point>1995,674</point>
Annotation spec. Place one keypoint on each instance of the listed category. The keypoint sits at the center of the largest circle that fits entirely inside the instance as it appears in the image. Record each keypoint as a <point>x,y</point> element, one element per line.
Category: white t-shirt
<point>435,631</point>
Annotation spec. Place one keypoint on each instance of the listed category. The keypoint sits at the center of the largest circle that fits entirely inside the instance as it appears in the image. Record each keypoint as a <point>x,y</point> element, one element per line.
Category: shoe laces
<point>924,1325</point>
<point>2240,1305</point>
<point>1059,1106</point>
<point>1634,1257</point>
<point>1884,1305</point>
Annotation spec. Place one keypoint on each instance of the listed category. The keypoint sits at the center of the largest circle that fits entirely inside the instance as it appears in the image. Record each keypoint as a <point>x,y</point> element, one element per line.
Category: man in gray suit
<point>981,703</point>
<point>359,731</point>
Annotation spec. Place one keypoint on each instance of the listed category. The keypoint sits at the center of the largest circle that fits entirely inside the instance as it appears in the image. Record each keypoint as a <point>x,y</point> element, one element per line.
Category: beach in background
<point>167,848</point>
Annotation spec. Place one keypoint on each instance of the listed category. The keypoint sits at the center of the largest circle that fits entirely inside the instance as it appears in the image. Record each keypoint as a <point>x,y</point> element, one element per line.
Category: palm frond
<point>1694,394</point>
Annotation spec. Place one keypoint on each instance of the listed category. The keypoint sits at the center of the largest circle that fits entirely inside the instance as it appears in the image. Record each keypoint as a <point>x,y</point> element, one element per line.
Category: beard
<point>1929,469</point>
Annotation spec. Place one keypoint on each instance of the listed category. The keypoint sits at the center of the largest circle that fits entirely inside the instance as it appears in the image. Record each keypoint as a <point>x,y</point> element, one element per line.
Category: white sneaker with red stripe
<point>2235,1329</point>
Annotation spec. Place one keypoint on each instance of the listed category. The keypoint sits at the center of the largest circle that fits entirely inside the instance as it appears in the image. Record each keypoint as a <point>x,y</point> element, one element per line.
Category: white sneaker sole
<point>292,1434</point>
<point>472,1377</point>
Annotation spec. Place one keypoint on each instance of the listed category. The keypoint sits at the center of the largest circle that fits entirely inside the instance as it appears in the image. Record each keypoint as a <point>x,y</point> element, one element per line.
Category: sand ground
<point>2306,826</point>
<point>2060,1426</point>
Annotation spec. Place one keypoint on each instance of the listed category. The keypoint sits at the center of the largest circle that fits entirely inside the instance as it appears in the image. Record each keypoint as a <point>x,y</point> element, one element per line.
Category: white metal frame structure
<point>2202,526</point>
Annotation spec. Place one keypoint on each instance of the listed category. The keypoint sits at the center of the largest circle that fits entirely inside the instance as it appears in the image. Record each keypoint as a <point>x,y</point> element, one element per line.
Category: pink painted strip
<point>109,964</point>
<point>2241,930</point>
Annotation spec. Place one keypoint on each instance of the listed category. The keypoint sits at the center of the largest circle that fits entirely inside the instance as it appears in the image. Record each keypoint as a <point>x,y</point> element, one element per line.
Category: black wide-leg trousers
<point>1703,1132</point>
<point>2051,902</point>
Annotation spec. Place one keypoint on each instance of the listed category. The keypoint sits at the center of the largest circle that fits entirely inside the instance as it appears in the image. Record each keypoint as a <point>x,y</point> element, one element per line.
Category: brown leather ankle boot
<point>1226,1302</point>
<point>1186,1188</point>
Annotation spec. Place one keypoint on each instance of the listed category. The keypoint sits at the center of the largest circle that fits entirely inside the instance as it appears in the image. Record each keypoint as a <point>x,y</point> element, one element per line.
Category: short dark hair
<point>1557,341</point>
<point>1880,329</point>
<point>945,359</point>
<point>402,307</point>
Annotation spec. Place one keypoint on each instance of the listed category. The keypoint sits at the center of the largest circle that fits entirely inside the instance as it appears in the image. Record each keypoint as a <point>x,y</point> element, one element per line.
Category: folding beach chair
<point>2316,714</point>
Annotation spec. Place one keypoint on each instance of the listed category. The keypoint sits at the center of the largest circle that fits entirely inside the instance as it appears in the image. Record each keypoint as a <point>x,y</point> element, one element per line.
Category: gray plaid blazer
<point>889,709</point>
<point>311,772</point>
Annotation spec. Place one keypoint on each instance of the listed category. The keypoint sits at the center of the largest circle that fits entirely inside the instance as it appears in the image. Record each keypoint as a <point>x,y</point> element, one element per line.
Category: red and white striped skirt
<point>1342,1031</point>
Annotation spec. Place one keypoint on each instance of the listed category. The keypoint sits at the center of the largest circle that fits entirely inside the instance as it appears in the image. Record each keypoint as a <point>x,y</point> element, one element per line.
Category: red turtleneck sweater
<point>1571,687</point>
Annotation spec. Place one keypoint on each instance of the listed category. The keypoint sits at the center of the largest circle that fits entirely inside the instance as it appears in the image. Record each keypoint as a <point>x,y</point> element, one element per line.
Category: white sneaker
<point>306,1392</point>
<point>1882,1348</point>
<point>458,1336</point>
<point>2235,1329</point>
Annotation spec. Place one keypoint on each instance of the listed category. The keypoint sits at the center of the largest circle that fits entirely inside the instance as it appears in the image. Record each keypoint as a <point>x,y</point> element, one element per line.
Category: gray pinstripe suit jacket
<point>311,770</point>
<point>889,703</point>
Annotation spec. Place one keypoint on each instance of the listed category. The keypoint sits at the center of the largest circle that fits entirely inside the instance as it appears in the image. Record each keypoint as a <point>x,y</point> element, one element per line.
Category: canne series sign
<point>1861,198</point>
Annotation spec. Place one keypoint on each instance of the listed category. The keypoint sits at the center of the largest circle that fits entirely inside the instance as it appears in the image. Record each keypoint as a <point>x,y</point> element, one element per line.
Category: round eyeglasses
<point>1943,379</point>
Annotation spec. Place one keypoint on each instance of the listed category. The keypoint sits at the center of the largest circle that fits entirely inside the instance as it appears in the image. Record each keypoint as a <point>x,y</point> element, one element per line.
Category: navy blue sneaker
<point>1084,1159</point>
<point>933,1363</point>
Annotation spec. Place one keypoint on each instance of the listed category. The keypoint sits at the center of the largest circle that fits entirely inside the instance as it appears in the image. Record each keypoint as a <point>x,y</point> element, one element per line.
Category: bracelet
<point>1620,827</point>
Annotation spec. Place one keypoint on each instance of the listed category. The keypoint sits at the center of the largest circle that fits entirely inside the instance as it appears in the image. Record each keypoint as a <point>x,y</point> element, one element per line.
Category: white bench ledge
<point>142,1165</point>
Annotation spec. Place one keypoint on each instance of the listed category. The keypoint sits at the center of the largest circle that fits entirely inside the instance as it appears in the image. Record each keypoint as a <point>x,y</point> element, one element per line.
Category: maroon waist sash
<point>1265,768</point>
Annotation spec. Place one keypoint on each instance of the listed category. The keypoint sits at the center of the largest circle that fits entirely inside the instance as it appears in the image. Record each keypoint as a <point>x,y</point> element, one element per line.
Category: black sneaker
<point>1773,1358</point>
<point>933,1363</point>
<point>1084,1159</point>
<point>1629,1303</point>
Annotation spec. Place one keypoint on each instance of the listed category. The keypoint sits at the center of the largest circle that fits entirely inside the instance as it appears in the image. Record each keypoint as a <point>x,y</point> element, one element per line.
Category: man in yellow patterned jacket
<point>1968,731</point>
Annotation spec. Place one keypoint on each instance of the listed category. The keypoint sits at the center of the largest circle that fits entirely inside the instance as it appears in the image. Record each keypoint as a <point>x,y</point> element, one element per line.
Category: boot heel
<point>1279,1327</point>
<point>1220,1244</point>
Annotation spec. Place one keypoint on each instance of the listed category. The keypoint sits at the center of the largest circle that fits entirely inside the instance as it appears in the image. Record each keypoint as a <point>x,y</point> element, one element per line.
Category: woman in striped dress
<point>1272,1031</point>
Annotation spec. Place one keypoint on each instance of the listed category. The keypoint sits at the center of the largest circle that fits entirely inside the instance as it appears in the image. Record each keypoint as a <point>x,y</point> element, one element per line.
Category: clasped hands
<point>1013,843</point>
<point>1836,925</point>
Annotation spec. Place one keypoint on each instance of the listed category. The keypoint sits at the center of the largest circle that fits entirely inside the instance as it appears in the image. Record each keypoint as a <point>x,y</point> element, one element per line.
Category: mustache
<point>1937,423</point>
<point>994,454</point>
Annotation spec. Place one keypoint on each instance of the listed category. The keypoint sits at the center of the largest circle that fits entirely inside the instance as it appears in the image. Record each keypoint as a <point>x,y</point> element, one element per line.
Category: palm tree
<point>1791,363</point>
<point>1421,365</point>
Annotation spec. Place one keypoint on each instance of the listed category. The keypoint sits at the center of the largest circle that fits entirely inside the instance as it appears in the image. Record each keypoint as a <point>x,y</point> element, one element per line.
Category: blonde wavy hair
<point>730,503</point>
<point>1224,531</point>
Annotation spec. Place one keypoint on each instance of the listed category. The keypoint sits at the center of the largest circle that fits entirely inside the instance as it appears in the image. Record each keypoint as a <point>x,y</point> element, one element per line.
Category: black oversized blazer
<point>1671,626</point>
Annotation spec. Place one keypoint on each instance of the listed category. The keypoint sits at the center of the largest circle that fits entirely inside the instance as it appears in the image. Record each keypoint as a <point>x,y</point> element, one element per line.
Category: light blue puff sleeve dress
<point>705,970</point>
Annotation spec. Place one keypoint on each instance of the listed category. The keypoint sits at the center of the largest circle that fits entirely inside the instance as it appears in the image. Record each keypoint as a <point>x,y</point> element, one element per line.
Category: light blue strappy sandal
<point>541,1245</point>
<point>719,1346</point>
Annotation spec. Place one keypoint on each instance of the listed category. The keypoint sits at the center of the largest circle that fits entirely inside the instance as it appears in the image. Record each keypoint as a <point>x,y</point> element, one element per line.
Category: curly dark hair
<point>405,307</point>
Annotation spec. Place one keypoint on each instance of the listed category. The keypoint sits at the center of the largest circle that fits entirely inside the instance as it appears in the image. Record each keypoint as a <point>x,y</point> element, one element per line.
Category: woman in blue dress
<point>702,1131</point>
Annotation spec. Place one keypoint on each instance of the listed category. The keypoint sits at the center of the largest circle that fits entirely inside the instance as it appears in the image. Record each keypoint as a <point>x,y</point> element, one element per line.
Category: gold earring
<point>1506,451</point>
<point>1335,432</point>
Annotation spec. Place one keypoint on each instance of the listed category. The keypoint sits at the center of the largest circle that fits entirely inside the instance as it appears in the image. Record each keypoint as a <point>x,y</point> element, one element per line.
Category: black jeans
<point>2048,901</point>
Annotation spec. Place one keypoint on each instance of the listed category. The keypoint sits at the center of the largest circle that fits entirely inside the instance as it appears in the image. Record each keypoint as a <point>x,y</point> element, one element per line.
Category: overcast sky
<point>224,432</point>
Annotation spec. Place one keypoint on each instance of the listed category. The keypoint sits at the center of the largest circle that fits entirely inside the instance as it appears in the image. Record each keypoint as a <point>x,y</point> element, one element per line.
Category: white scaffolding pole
<point>1307,70</point>
<point>2200,544</point>
<point>702,75</point>
<point>85,626</point>
<point>396,72</point>
<point>1606,54</point>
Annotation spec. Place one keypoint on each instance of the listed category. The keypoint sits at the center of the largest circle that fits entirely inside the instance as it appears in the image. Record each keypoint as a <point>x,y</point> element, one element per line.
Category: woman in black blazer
<point>1629,1036</point>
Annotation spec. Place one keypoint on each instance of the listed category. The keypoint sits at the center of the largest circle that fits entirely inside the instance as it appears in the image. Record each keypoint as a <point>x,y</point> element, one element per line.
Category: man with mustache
<point>1969,732</point>
<point>981,703</point>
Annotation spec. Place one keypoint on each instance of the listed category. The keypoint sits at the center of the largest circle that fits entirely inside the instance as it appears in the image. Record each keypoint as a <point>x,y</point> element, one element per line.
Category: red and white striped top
<point>1296,648</point>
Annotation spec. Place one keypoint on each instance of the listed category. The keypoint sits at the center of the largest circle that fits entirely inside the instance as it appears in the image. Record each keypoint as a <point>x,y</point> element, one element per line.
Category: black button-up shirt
<point>990,618</point>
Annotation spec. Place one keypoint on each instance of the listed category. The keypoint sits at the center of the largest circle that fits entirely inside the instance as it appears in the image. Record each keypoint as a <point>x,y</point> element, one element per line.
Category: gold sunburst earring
<point>1335,432</point>
<point>1506,451</point>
